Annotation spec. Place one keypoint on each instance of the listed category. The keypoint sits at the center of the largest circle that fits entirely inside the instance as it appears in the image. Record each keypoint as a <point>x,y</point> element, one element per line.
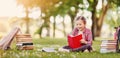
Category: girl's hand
<point>70,35</point>
<point>83,41</point>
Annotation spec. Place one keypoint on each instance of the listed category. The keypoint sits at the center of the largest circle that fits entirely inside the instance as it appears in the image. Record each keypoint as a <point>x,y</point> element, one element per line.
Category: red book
<point>74,41</point>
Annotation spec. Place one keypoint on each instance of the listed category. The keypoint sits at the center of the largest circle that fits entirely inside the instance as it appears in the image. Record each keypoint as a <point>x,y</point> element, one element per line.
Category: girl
<point>86,40</point>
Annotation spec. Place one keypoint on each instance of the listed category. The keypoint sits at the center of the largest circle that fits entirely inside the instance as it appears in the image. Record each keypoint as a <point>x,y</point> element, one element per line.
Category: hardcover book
<point>74,41</point>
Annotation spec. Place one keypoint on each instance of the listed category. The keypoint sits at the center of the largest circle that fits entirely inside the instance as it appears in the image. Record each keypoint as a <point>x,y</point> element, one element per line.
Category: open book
<point>74,41</point>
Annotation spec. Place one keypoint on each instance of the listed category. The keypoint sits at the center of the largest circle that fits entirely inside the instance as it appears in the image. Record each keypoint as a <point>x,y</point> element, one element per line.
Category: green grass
<point>56,43</point>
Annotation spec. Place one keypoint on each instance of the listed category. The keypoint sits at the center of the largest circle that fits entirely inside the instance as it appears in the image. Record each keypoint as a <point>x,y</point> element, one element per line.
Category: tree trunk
<point>54,27</point>
<point>40,31</point>
<point>72,16</point>
<point>63,23</point>
<point>101,18</point>
<point>93,27</point>
<point>48,31</point>
<point>72,21</point>
<point>27,21</point>
<point>48,27</point>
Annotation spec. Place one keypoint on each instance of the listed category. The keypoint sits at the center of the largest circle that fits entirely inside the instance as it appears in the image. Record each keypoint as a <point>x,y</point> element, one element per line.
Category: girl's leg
<point>83,48</point>
<point>89,48</point>
<point>66,47</point>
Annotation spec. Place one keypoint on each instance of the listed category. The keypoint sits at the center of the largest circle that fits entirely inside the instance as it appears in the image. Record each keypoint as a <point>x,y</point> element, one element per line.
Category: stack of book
<point>108,46</point>
<point>24,42</point>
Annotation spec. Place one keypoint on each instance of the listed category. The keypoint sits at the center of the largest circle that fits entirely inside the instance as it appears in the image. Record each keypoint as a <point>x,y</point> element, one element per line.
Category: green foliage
<point>65,5</point>
<point>118,22</point>
<point>112,20</point>
<point>117,2</point>
<point>91,4</point>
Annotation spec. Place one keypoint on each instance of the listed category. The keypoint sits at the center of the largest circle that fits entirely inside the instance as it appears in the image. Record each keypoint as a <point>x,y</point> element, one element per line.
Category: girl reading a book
<point>86,41</point>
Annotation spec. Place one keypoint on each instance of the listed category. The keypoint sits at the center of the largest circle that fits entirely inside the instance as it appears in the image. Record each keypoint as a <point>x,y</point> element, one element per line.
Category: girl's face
<point>80,25</point>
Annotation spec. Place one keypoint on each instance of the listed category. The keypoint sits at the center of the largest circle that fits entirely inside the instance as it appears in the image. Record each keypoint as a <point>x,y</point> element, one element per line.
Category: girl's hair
<point>81,18</point>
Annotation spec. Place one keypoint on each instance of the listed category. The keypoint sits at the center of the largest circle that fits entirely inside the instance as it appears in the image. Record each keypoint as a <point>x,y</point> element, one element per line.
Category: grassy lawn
<point>56,43</point>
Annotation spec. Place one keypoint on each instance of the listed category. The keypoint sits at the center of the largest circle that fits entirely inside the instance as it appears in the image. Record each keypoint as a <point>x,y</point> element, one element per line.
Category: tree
<point>61,7</point>
<point>65,8</point>
<point>97,21</point>
<point>47,8</point>
<point>27,5</point>
<point>111,19</point>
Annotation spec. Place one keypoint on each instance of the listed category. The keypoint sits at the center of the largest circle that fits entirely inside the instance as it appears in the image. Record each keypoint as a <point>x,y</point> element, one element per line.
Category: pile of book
<point>24,42</point>
<point>108,46</point>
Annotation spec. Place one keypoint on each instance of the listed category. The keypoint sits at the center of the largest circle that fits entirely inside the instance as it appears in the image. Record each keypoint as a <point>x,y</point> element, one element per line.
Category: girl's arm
<point>75,32</point>
<point>89,38</point>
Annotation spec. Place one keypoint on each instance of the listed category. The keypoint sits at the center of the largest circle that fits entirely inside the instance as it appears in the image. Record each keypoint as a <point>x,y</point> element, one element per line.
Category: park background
<point>49,21</point>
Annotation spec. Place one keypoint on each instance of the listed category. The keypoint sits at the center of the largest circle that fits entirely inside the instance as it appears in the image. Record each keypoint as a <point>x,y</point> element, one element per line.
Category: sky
<point>9,8</point>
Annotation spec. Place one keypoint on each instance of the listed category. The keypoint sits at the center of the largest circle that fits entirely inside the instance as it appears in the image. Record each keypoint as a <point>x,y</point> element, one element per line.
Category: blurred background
<point>54,18</point>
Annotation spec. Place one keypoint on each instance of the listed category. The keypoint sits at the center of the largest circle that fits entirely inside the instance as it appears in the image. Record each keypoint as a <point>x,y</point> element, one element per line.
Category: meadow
<point>54,43</point>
